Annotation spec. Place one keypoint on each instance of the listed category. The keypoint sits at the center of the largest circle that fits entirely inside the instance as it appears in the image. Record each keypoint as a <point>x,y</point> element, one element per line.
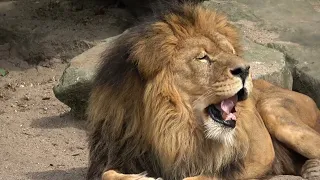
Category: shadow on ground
<point>40,32</point>
<point>60,121</point>
<point>70,174</point>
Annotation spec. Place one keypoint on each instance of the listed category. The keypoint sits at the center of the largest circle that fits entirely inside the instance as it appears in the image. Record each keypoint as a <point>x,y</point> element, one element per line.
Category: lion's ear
<point>149,56</point>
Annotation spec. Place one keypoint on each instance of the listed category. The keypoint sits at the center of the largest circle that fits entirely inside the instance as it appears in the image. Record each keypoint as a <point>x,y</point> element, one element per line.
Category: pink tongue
<point>227,105</point>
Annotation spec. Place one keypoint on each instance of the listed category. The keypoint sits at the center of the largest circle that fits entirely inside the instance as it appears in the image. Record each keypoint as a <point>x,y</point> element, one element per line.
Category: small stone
<point>55,60</point>
<point>53,79</point>
<point>26,97</point>
<point>22,105</point>
<point>45,63</point>
<point>80,147</point>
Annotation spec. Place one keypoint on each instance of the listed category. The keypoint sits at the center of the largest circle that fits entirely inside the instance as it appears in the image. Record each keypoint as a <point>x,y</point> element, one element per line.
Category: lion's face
<point>199,50</point>
<point>214,81</point>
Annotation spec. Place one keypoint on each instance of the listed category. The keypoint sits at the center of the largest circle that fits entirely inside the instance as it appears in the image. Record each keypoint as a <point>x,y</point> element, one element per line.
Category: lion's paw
<point>311,169</point>
<point>111,175</point>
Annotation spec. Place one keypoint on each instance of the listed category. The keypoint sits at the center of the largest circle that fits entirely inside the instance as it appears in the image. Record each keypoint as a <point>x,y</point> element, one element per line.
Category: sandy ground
<point>39,139</point>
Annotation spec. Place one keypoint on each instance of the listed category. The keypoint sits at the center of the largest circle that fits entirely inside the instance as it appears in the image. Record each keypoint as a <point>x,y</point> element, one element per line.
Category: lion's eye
<point>203,58</point>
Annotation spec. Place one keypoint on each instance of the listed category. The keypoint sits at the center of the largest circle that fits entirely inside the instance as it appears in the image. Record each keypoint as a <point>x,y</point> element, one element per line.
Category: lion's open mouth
<point>223,112</point>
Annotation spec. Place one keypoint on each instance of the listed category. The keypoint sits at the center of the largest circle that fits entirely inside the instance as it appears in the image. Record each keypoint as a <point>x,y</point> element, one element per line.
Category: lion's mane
<point>138,119</point>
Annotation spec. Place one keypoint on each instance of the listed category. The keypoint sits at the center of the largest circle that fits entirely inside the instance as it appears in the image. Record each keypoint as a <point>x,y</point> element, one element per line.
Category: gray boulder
<point>267,64</point>
<point>75,83</point>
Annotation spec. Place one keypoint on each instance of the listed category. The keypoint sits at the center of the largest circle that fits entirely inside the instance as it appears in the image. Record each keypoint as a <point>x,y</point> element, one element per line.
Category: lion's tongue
<point>226,106</point>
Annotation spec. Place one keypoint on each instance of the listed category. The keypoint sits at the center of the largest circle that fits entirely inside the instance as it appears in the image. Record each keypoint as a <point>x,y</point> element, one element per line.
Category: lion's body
<point>146,106</point>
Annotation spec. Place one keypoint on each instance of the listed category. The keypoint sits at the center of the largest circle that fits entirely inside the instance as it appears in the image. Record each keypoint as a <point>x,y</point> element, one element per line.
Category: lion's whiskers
<point>219,133</point>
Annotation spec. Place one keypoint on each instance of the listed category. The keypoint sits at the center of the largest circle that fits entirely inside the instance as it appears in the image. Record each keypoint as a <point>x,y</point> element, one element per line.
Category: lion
<point>174,99</point>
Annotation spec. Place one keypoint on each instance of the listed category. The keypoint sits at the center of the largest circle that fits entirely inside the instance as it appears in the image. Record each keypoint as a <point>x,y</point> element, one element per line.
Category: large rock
<point>267,64</point>
<point>75,84</point>
<point>291,27</point>
<point>76,81</point>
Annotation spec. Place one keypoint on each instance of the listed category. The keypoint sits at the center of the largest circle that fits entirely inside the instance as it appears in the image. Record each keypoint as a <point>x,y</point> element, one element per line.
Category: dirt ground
<point>39,139</point>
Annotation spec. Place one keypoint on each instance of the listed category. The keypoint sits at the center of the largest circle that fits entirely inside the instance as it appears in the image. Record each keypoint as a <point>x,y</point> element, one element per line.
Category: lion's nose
<point>241,71</point>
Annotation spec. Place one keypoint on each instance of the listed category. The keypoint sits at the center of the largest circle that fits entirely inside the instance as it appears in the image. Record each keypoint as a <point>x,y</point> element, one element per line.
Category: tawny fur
<point>142,115</point>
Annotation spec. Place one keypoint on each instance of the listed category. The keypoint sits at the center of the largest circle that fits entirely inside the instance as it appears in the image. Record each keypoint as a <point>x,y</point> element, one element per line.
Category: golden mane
<point>134,107</point>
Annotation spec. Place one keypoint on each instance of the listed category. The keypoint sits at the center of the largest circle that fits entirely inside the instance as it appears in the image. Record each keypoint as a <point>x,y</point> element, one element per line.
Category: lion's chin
<point>219,132</point>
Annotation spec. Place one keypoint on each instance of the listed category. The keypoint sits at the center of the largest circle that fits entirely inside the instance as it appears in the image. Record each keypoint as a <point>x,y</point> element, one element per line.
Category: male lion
<point>174,99</point>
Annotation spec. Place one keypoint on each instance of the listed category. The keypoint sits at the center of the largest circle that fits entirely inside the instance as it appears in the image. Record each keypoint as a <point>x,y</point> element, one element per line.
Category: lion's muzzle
<point>223,112</point>
<point>241,71</point>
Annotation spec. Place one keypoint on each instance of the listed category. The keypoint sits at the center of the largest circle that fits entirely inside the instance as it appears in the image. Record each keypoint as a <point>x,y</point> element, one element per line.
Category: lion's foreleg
<point>303,140</point>
<point>291,131</point>
<point>114,175</point>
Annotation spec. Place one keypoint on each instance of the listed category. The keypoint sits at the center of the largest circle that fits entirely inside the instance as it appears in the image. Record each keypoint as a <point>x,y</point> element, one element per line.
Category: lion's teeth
<point>230,116</point>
